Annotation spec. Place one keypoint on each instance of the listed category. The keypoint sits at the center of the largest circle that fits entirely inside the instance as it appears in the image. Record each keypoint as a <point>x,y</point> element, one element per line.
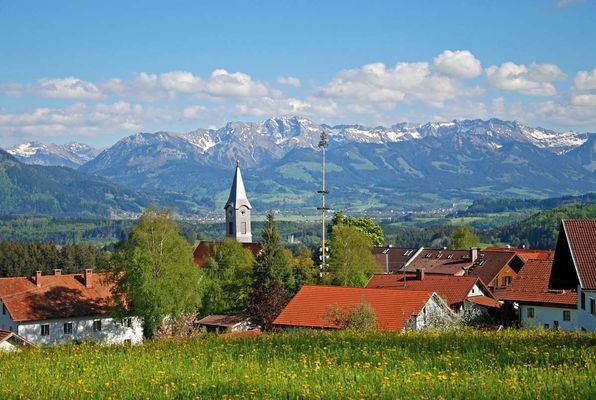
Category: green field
<point>335,365</point>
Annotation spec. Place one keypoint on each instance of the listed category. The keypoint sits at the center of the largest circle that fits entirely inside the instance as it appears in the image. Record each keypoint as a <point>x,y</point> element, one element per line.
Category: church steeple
<point>238,210</point>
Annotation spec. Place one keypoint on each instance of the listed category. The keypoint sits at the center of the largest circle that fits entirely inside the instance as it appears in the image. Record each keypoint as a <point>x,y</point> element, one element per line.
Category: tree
<point>229,278</point>
<point>364,224</point>
<point>463,238</point>
<point>361,317</point>
<point>303,267</point>
<point>266,302</point>
<point>272,263</point>
<point>154,272</point>
<point>351,261</point>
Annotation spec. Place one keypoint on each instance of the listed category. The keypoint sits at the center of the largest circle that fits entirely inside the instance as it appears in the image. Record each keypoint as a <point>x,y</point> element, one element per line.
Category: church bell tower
<point>238,210</point>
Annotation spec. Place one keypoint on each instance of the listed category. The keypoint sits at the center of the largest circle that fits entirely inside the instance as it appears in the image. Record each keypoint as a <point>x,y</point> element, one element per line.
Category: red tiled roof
<point>485,301</point>
<point>5,335</point>
<point>60,296</point>
<point>222,320</point>
<point>205,249</point>
<point>581,237</point>
<point>526,254</point>
<point>531,286</point>
<point>393,308</point>
<point>453,289</point>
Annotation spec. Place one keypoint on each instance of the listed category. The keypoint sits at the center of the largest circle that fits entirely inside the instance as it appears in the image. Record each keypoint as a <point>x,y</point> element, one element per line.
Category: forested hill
<point>492,205</point>
<point>540,231</point>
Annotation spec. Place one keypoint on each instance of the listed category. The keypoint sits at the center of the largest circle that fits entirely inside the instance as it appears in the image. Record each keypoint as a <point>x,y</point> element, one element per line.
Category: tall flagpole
<point>323,143</point>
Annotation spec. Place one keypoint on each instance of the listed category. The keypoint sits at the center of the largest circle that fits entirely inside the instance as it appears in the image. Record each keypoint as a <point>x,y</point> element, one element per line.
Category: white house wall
<point>586,320</point>
<point>112,331</point>
<point>5,346</point>
<point>547,315</point>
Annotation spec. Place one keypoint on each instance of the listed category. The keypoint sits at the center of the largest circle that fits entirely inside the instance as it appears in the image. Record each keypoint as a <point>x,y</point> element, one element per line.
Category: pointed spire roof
<point>237,192</point>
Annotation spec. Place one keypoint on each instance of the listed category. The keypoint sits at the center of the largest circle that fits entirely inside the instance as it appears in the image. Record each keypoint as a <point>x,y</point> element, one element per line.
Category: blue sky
<point>97,71</point>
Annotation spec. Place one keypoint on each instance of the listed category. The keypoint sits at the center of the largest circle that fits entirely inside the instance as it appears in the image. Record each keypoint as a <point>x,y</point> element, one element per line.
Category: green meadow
<point>314,365</point>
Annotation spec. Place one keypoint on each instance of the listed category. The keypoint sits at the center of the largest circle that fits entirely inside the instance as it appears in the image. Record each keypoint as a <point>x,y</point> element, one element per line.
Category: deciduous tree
<point>154,272</point>
<point>463,238</point>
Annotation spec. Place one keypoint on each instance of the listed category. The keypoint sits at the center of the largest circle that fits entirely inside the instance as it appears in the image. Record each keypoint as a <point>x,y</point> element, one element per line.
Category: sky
<point>95,72</point>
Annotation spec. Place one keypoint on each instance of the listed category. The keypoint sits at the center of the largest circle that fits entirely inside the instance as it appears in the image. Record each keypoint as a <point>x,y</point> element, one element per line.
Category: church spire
<point>238,210</point>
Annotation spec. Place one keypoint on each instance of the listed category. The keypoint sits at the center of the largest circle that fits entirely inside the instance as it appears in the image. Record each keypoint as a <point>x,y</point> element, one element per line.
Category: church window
<point>243,227</point>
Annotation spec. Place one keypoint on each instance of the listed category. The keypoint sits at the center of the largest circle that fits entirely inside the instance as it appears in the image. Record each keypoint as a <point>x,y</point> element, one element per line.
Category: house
<point>224,323</point>
<point>496,268</point>
<point>10,341</point>
<point>537,304</point>
<point>395,310</point>
<point>392,259</point>
<point>574,267</point>
<point>64,308</point>
<point>457,291</point>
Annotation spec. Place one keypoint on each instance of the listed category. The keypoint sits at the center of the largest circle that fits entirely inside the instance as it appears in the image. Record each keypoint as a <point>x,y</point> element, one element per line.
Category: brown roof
<point>60,296</point>
<point>581,237</point>
<point>489,263</point>
<point>526,254</point>
<point>226,321</point>
<point>396,257</point>
<point>453,289</point>
<point>531,286</point>
<point>393,308</point>
<point>205,249</point>
<point>4,335</point>
<point>441,261</point>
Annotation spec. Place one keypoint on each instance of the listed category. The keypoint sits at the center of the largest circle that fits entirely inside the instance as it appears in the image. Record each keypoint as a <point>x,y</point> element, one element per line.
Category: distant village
<point>412,289</point>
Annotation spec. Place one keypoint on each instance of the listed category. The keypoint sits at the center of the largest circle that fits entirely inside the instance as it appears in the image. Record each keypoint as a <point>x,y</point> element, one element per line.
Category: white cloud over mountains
<point>451,85</point>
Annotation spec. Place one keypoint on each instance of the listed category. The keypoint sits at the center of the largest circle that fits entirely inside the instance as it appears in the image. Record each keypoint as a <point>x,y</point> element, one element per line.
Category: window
<point>45,329</point>
<point>546,326</point>
<point>243,225</point>
<point>68,328</point>
<point>127,322</point>
<point>506,281</point>
<point>556,325</point>
<point>97,325</point>
<point>566,315</point>
<point>3,309</point>
<point>592,306</point>
<point>530,312</point>
<point>582,301</point>
<point>127,342</point>
<point>230,228</point>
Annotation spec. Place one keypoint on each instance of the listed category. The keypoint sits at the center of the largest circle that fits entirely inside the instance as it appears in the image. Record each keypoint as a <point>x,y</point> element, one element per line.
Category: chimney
<point>473,254</point>
<point>419,274</point>
<point>38,278</point>
<point>57,271</point>
<point>87,277</point>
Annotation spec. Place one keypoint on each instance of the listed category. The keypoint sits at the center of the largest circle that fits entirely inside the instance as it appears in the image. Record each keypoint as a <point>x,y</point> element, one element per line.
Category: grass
<point>470,364</point>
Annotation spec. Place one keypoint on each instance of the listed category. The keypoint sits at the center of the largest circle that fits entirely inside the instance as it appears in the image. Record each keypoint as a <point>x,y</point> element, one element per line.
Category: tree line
<point>23,259</point>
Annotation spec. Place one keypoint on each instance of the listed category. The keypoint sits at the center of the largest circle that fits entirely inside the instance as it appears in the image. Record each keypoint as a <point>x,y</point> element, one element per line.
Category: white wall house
<point>548,317</point>
<point>574,266</point>
<point>61,309</point>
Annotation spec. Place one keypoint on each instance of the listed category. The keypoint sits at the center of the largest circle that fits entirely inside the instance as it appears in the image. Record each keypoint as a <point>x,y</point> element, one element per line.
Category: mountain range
<point>404,166</point>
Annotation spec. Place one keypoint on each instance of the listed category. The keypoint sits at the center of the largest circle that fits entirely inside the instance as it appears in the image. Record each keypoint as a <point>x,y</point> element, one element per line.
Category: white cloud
<point>458,64</point>
<point>406,82</point>
<point>585,80</point>
<point>534,80</point>
<point>289,80</point>
<point>59,88</point>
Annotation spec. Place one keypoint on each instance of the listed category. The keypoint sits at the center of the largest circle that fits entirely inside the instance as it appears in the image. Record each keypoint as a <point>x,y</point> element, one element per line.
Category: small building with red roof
<point>10,341</point>
<point>64,308</point>
<point>457,291</point>
<point>395,310</point>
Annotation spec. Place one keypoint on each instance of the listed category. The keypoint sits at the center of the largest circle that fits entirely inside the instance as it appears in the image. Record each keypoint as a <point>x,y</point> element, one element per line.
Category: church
<point>238,221</point>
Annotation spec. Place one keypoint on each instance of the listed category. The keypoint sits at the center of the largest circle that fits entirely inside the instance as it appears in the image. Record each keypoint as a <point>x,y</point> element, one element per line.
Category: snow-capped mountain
<point>70,155</point>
